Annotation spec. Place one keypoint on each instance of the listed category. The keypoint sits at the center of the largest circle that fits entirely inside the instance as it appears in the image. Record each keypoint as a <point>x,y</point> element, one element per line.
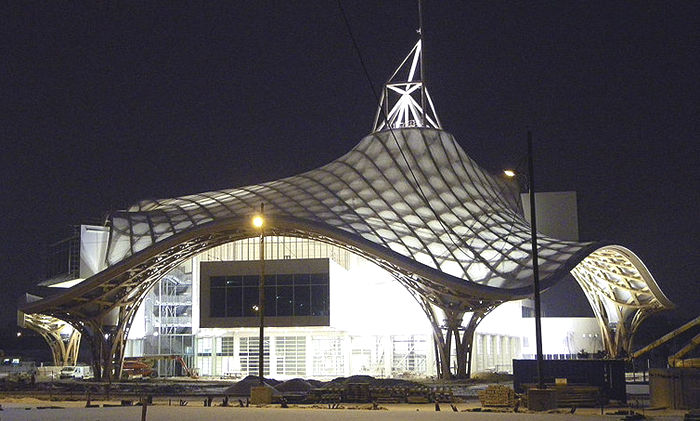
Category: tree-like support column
<point>62,338</point>
<point>107,341</point>
<point>451,329</point>
<point>464,344</point>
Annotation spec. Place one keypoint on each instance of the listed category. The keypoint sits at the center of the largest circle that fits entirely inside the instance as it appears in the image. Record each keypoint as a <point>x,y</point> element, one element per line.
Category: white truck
<point>82,372</point>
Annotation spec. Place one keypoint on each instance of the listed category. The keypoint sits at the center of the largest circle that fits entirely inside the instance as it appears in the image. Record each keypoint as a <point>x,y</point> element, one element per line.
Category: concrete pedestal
<point>260,395</point>
<point>541,399</point>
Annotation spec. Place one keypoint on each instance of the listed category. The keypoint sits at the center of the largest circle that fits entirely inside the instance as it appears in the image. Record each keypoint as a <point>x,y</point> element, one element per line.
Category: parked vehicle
<point>15,370</point>
<point>135,367</point>
<point>82,372</point>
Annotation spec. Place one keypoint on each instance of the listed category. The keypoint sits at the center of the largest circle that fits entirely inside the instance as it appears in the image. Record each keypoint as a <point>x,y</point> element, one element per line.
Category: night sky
<point>107,103</point>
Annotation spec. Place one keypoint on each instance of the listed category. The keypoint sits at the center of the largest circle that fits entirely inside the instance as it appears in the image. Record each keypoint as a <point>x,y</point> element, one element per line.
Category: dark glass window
<point>218,281</point>
<point>318,279</point>
<point>217,304</point>
<point>286,295</point>
<point>285,279</point>
<point>270,300</point>
<point>233,302</point>
<point>285,300</point>
<point>319,300</point>
<point>301,279</point>
<point>251,280</point>
<point>302,300</point>
<point>233,281</point>
<point>250,301</point>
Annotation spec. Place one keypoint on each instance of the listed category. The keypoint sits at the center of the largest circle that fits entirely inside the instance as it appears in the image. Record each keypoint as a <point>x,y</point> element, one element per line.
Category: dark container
<point>608,375</point>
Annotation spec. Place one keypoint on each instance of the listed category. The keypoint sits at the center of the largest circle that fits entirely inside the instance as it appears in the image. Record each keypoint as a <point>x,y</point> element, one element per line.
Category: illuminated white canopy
<point>407,198</point>
<point>412,201</point>
<point>431,205</point>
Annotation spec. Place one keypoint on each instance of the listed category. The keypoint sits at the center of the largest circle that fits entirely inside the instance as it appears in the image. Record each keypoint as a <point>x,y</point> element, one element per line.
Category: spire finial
<point>405,101</point>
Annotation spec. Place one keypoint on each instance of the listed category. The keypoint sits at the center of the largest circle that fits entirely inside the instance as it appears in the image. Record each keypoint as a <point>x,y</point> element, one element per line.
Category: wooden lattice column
<point>452,329</point>
<point>464,337</point>
<point>64,350</point>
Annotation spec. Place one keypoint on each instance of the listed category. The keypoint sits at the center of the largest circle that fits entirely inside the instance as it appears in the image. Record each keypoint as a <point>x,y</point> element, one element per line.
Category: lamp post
<point>259,222</point>
<point>535,263</point>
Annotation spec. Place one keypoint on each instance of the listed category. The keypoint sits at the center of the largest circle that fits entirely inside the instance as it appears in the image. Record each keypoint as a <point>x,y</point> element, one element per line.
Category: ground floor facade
<point>321,354</point>
<point>332,314</point>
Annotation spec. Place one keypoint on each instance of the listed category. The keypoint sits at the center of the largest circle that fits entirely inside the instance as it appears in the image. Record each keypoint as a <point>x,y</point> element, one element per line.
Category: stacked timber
<point>420,394</point>
<point>388,394</point>
<point>569,395</point>
<point>443,394</point>
<point>497,395</point>
<point>575,395</point>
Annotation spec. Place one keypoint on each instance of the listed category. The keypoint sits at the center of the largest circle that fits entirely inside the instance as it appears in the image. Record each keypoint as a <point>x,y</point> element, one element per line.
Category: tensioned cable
<point>449,231</point>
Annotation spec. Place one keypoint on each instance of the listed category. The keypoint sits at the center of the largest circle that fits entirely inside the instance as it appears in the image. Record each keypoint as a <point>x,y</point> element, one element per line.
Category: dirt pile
<point>294,385</point>
<point>340,382</point>
<point>242,388</point>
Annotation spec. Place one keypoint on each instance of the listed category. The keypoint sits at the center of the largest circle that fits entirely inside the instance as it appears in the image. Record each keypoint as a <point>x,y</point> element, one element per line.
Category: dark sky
<point>108,103</point>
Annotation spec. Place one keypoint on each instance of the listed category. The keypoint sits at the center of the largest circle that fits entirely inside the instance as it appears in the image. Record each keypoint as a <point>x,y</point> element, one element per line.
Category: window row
<point>271,279</point>
<point>281,300</point>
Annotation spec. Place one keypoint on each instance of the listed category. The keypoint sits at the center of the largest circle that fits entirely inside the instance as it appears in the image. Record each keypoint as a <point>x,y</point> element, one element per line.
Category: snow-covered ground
<point>26,410</point>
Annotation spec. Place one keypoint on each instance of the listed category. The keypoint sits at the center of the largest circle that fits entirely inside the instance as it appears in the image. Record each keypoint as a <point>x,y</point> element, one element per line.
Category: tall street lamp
<point>535,263</point>
<point>259,222</point>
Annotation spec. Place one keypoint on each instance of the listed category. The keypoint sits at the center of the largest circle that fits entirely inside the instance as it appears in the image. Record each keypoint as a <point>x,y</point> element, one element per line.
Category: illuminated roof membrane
<point>461,221</point>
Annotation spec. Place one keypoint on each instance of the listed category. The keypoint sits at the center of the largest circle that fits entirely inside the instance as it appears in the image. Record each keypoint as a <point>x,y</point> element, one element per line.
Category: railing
<point>173,299</point>
<point>173,321</point>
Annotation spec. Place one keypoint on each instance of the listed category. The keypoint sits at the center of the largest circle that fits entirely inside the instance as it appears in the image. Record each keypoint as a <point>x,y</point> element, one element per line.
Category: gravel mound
<point>315,383</point>
<point>242,388</point>
<point>294,385</point>
<point>374,382</point>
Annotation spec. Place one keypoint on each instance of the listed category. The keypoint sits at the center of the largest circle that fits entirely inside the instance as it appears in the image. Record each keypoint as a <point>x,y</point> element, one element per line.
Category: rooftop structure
<point>407,198</point>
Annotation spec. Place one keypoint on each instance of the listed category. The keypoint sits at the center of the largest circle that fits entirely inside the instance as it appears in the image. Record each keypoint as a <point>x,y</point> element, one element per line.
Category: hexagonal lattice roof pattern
<point>413,192</point>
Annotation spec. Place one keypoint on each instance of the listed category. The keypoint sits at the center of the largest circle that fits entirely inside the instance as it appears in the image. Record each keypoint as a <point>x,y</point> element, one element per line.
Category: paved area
<point>18,411</point>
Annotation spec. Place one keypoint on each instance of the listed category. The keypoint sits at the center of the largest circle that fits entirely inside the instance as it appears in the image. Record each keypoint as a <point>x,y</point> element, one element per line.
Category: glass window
<point>318,278</point>
<point>234,302</point>
<point>232,281</point>
<point>249,352</point>
<point>285,279</point>
<point>204,346</point>
<point>226,346</point>
<point>217,304</point>
<point>301,279</point>
<point>302,300</point>
<point>250,301</point>
<point>251,280</point>
<point>218,281</point>
<point>291,355</point>
<point>270,301</point>
<point>285,299</point>
<point>319,300</point>
<point>286,295</point>
<point>328,356</point>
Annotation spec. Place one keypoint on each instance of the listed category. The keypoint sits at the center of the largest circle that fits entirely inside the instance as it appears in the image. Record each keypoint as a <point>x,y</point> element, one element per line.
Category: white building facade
<point>372,325</point>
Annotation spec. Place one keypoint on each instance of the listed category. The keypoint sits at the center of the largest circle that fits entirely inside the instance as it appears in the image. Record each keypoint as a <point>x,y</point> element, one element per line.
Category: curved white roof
<point>408,199</point>
<point>412,192</point>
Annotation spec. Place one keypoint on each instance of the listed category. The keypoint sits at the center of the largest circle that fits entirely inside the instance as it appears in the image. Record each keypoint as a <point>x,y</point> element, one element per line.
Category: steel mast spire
<point>405,100</point>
